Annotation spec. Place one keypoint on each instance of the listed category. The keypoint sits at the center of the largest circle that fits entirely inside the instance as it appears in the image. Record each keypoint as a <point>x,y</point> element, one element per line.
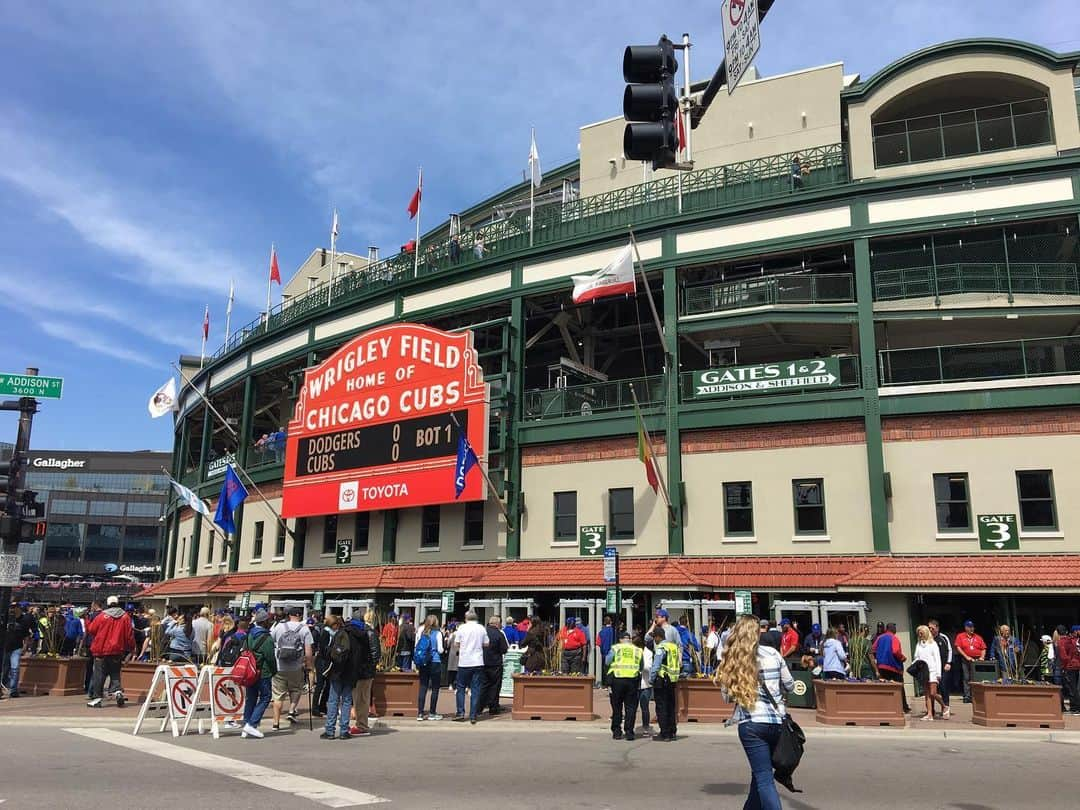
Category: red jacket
<point>573,639</point>
<point>112,633</point>
<point>973,646</point>
<point>1069,653</point>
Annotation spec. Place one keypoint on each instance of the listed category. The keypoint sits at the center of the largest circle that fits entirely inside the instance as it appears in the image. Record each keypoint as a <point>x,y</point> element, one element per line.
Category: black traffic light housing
<point>10,495</point>
<point>651,104</point>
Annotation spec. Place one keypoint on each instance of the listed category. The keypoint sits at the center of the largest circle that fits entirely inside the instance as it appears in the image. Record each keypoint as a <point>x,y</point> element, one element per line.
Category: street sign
<point>318,600</point>
<point>744,603</point>
<point>612,600</point>
<point>591,540</point>
<point>10,570</point>
<point>998,533</point>
<point>742,37</point>
<point>765,378</point>
<point>344,552</point>
<point>21,385</point>
<point>245,602</point>
<point>447,602</point>
<point>611,565</point>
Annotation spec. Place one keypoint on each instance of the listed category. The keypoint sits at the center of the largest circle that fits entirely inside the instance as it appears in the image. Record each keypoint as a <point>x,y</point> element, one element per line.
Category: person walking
<point>605,640</point>
<point>364,643</point>
<point>260,643</point>
<point>972,648</point>
<point>833,657</point>
<point>428,656</point>
<point>645,690</point>
<point>754,677</point>
<point>339,676</point>
<point>945,650</point>
<point>180,636</point>
<point>1068,654</point>
<point>470,641</point>
<point>295,658</point>
<point>405,643</point>
<point>493,665</point>
<point>114,638</point>
<point>890,660</point>
<point>623,665</point>
<point>322,633</point>
<point>663,675</point>
<point>17,640</point>
<point>201,628</point>
<point>927,651</point>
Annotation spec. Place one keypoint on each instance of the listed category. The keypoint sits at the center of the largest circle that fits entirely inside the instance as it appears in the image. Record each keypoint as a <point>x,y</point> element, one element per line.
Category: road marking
<point>314,789</point>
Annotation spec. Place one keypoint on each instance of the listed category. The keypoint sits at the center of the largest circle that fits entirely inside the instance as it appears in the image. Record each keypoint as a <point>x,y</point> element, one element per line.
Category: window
<point>224,547</point>
<point>329,538</point>
<point>109,508</point>
<point>279,541</point>
<point>1036,491</point>
<point>474,523</point>
<point>429,528</point>
<point>103,543</point>
<point>809,496</point>
<point>738,509</point>
<point>63,541</point>
<point>141,544</point>
<point>256,547</point>
<point>566,516</point>
<point>144,509</point>
<point>621,513</point>
<point>209,545</point>
<point>67,507</point>
<point>363,527</point>
<point>952,503</point>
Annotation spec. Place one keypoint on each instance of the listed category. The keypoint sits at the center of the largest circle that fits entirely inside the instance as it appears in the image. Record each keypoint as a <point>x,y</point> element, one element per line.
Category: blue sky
<point>149,152</point>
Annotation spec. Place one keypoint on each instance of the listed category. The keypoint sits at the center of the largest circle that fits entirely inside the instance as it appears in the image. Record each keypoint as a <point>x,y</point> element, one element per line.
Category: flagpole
<point>419,205</point>
<point>202,349</point>
<point>333,258</point>
<point>648,291</point>
<point>652,450</point>
<point>213,526</point>
<point>269,281</point>
<point>532,186</point>
<point>228,312</point>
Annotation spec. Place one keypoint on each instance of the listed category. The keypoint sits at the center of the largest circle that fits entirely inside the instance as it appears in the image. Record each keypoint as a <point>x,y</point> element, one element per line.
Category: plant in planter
<point>1014,701</point>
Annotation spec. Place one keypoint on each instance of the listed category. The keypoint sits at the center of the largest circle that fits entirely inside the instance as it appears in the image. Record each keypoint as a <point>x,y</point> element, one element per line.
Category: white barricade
<point>173,689</point>
<point>223,695</point>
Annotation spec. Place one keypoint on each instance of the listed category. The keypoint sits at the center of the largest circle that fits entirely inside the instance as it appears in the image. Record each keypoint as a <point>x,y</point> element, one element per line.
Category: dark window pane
<point>740,521</point>
<point>565,527</point>
<point>429,531</point>
<point>565,505</point>
<point>1037,514</point>
<point>807,494</point>
<point>1034,484</point>
<point>621,511</point>
<point>257,543</point>
<point>953,516</point>
<point>810,519</point>
<point>363,527</point>
<point>809,506</point>
<point>738,508</point>
<point>329,543</point>
<point>474,523</point>
<point>736,495</point>
<point>279,544</point>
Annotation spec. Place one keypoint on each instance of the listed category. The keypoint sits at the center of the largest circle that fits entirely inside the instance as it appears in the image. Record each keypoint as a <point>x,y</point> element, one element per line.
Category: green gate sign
<point>821,372</point>
<point>21,385</point>
<point>998,533</point>
<point>447,605</point>
<point>318,599</point>
<point>245,602</point>
<point>744,603</point>
<point>591,540</point>
<point>612,600</point>
<point>344,552</point>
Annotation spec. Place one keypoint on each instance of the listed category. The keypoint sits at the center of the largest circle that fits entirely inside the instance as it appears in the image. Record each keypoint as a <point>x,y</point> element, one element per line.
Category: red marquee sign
<point>377,424</point>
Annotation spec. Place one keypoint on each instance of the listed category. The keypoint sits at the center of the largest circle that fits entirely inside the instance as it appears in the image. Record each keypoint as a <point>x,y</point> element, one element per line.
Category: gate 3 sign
<point>765,378</point>
<point>376,425</point>
<point>998,533</point>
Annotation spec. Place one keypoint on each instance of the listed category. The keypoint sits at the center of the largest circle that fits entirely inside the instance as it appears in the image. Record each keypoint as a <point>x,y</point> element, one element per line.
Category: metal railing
<point>968,362</point>
<point>585,400</point>
<point>850,377</point>
<point>692,192</point>
<point>805,288</point>
<point>1049,278</point>
<point>956,133</point>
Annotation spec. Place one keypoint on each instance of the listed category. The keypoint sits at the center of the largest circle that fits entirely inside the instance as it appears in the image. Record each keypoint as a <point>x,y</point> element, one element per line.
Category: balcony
<point>971,362</point>
<point>692,192</point>
<point>1043,278</point>
<point>825,288</point>
<point>585,400</point>
<point>958,133</point>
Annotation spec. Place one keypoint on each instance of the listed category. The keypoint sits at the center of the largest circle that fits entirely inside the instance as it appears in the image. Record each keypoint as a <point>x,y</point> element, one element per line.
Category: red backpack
<point>246,669</point>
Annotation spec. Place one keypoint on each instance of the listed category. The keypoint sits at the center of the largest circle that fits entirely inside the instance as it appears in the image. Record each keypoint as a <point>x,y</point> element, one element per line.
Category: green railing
<point>1049,278</point>
<point>690,192</point>
<point>850,377</point>
<point>999,360</point>
<point>585,400</point>
<point>808,288</point>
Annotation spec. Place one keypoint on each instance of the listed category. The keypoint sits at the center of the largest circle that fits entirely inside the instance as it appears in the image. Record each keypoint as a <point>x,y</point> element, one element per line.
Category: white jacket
<point>928,651</point>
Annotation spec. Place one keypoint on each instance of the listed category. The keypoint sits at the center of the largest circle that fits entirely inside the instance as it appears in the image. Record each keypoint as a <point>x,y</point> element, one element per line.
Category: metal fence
<point>585,400</point>
<point>807,288</point>
<point>1005,359</point>
<point>1049,278</point>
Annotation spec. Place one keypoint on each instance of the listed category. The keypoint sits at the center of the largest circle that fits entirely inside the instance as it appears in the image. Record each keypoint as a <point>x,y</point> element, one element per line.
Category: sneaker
<point>459,718</point>
<point>472,720</point>
<point>629,737</point>
<point>354,730</point>
<point>233,724</point>
<point>434,717</point>
<point>360,732</point>
<point>646,731</point>
<point>420,718</point>
<point>345,736</point>
<point>94,704</point>
<point>293,719</point>
<point>325,736</point>
<point>251,731</point>
<point>616,735</point>
<point>945,715</point>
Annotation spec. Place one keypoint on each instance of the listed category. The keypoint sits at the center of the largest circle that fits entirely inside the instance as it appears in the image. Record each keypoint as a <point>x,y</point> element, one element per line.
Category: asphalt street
<point>539,766</point>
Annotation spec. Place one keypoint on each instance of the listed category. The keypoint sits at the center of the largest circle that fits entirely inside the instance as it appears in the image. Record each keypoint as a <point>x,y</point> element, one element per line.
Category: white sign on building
<point>742,38</point>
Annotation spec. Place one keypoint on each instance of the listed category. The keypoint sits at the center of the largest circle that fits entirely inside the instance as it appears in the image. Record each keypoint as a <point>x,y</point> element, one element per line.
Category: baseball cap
<point>969,623</point>
<point>815,628</point>
<point>112,601</point>
<point>260,616</point>
<point>1075,628</point>
<point>24,604</point>
<point>296,610</point>
<point>624,634</point>
<point>358,613</point>
<point>785,621</point>
<point>661,613</point>
<point>570,621</point>
<point>1046,638</point>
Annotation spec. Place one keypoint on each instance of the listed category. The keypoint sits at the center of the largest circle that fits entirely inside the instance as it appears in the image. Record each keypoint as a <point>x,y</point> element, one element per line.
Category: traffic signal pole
<point>27,407</point>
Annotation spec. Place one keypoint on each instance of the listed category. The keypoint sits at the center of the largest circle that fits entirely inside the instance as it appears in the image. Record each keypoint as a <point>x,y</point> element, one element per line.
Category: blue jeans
<point>14,657</point>
<point>258,698</point>
<point>430,680</point>
<point>758,741</point>
<point>404,661</point>
<point>473,678</point>
<point>338,705</point>
<point>644,696</point>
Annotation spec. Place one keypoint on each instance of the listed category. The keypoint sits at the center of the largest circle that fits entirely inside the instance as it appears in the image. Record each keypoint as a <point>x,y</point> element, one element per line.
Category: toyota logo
<point>348,495</point>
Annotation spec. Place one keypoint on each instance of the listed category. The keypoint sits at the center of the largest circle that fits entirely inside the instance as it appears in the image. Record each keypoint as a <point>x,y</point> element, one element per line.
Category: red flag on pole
<point>206,324</point>
<point>414,203</point>
<point>680,130</point>
<point>275,273</point>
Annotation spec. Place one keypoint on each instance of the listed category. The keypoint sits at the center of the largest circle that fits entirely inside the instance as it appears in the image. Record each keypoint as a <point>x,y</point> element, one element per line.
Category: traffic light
<point>651,104</point>
<point>31,506</point>
<point>9,478</point>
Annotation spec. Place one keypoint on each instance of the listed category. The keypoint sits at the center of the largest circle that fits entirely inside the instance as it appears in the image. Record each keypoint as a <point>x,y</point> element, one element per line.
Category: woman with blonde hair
<point>226,628</point>
<point>753,677</point>
<point>428,655</point>
<point>927,651</point>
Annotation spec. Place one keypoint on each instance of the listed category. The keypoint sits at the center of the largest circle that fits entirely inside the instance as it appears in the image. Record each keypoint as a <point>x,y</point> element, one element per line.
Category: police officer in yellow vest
<point>663,675</point>
<point>624,665</point>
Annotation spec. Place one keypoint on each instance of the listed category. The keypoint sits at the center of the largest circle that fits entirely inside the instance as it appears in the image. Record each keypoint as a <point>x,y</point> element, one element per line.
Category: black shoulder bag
<point>789,748</point>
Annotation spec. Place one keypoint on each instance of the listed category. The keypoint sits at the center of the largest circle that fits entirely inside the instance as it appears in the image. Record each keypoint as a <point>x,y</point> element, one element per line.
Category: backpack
<point>230,651</point>
<point>422,653</point>
<point>340,650</point>
<point>246,669</point>
<point>290,647</point>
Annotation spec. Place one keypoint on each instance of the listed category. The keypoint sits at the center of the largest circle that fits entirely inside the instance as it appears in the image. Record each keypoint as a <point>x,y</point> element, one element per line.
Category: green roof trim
<point>1005,47</point>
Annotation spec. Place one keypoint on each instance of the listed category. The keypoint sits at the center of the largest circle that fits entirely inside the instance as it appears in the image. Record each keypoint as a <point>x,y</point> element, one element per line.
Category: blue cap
<point>570,621</point>
<point>785,621</point>
<point>661,613</point>
<point>24,604</point>
<point>815,628</point>
<point>1075,628</point>
<point>968,623</point>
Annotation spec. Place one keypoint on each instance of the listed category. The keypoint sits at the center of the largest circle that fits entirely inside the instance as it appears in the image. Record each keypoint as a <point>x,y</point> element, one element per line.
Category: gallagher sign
<point>377,424</point>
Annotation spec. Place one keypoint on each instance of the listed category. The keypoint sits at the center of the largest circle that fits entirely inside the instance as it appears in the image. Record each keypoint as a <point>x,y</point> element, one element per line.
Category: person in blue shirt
<point>605,640</point>
<point>584,628</point>
<point>689,640</point>
<point>511,632</point>
<point>1006,652</point>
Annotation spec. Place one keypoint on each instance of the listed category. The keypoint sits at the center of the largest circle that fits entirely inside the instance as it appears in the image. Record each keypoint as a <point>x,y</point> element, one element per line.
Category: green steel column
<point>193,552</point>
<point>204,453</point>
<point>168,566</point>
<point>514,397</point>
<point>875,456</point>
<point>389,535</point>
<point>671,435</point>
<point>299,535</point>
<point>243,443</point>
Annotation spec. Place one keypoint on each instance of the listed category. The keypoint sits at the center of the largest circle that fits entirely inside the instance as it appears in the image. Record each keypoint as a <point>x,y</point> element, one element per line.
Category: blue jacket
<point>511,633</point>
<point>688,640</point>
<point>607,639</point>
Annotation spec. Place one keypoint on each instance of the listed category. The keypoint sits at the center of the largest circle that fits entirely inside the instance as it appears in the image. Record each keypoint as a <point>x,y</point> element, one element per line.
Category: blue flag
<point>232,495</point>
<point>466,460</point>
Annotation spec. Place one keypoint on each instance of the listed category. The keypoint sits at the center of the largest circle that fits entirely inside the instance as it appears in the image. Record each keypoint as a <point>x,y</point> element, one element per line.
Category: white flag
<point>534,163</point>
<point>163,400</point>
<point>333,226</point>
<point>191,499</point>
<point>228,308</point>
<point>615,279</point>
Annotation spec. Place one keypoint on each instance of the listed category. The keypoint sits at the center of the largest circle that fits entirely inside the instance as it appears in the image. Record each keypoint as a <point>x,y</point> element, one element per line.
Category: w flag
<point>615,279</point>
<point>163,400</point>
<point>466,460</point>
<point>414,203</point>
<point>190,498</point>
<point>275,273</point>
<point>206,324</point>
<point>535,174</point>
<point>232,495</point>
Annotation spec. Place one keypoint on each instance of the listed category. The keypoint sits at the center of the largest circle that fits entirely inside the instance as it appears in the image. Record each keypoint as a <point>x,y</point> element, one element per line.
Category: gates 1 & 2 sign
<point>821,372</point>
<point>377,424</point>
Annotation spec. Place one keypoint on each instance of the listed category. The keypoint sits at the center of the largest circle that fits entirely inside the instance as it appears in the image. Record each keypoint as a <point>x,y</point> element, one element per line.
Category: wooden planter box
<point>859,703</point>
<point>395,693</point>
<point>1016,705</point>
<point>52,676</point>
<point>136,678</point>
<point>698,700</point>
<point>552,697</point>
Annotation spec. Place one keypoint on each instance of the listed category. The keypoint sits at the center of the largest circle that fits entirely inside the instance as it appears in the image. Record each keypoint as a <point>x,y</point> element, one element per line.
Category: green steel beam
<point>204,453</point>
<point>514,383</point>
<point>755,412</point>
<point>811,313</point>
<point>242,451</point>
<point>980,400</point>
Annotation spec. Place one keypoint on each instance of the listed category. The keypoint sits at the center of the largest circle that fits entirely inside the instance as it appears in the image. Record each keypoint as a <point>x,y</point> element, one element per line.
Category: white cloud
<point>96,342</point>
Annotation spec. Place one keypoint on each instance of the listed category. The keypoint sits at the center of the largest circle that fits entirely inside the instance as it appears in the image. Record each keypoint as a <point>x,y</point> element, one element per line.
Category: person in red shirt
<point>113,638</point>
<point>1068,650</point>
<point>389,635</point>
<point>972,648</point>
<point>789,639</point>
<point>573,640</point>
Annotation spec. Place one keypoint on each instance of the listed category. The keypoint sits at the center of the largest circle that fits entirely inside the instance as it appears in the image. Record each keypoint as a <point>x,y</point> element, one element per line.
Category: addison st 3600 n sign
<point>377,424</point>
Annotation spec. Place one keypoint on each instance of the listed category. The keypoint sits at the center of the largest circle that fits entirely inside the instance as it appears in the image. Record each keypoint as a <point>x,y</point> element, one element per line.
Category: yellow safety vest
<point>671,666</point>
<point>626,661</point>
